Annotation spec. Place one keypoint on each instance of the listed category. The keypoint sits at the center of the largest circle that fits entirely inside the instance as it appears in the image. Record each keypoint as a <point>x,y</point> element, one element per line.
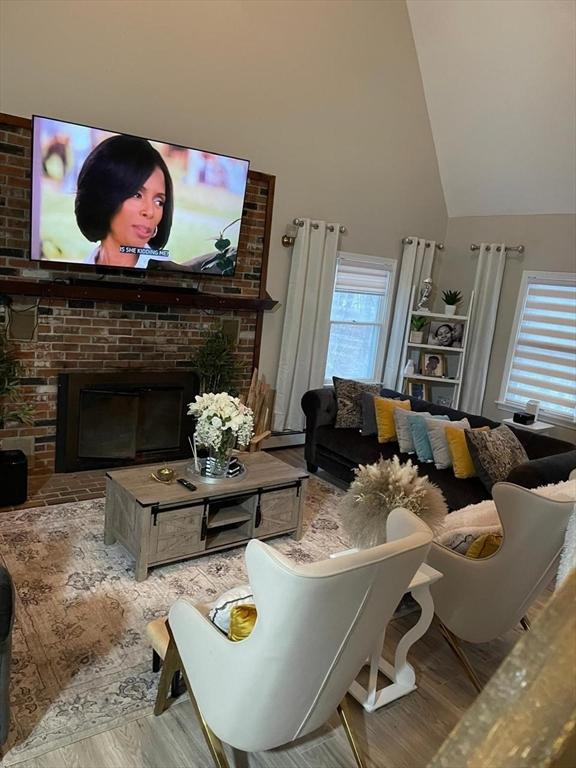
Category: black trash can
<point>13,478</point>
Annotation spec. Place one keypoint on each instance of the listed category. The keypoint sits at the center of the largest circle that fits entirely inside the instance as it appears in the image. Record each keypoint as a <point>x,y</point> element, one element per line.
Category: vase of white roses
<point>222,423</point>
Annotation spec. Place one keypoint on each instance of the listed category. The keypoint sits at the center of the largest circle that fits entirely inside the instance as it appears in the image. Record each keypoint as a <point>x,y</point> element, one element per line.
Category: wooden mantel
<point>129,293</point>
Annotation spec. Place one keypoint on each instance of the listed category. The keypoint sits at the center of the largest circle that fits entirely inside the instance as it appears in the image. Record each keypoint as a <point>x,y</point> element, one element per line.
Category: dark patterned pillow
<point>495,453</point>
<point>349,401</point>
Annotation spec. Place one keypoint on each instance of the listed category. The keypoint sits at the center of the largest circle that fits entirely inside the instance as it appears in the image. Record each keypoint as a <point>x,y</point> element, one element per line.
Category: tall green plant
<point>12,408</point>
<point>216,364</point>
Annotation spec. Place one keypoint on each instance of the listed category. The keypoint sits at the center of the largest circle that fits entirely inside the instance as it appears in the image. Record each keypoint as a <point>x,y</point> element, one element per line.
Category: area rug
<point>81,662</point>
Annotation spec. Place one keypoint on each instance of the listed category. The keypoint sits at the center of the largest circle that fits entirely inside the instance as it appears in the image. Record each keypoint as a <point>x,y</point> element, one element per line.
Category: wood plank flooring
<point>404,734</point>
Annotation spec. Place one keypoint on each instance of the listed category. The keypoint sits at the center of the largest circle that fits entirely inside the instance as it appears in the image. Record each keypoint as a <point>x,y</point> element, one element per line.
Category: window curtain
<point>417,260</point>
<point>306,320</point>
<point>487,287</point>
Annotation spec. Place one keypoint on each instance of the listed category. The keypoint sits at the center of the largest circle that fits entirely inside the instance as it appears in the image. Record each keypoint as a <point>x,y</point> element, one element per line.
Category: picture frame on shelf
<point>444,400</point>
<point>418,389</point>
<point>433,364</point>
<point>443,334</point>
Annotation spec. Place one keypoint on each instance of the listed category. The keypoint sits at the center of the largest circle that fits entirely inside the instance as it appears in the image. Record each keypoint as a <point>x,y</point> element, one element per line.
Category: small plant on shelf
<point>451,301</point>
<point>417,325</point>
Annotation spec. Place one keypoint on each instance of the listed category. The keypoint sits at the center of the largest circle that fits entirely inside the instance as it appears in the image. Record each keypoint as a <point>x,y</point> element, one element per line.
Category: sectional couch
<point>339,451</point>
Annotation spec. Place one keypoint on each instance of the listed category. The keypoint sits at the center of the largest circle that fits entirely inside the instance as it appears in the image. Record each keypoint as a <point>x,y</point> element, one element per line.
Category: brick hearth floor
<point>44,490</point>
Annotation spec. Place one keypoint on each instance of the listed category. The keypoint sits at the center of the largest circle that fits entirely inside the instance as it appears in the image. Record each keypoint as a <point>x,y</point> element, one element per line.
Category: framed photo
<point>444,334</point>
<point>433,364</point>
<point>419,389</point>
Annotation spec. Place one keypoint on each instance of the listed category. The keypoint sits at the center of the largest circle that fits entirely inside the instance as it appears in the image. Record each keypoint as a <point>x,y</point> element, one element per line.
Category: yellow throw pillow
<point>461,458</point>
<point>484,545</point>
<point>384,409</point>
<point>242,621</point>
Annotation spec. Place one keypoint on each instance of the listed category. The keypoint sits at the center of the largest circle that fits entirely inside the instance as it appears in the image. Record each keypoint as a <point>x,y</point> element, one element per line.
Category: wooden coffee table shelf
<point>161,524</point>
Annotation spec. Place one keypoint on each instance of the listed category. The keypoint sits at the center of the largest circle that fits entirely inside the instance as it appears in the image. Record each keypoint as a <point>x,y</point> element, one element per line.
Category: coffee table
<point>160,523</point>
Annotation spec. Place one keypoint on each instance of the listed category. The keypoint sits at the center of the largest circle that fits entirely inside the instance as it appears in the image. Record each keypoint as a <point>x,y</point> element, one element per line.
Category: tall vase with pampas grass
<point>381,487</point>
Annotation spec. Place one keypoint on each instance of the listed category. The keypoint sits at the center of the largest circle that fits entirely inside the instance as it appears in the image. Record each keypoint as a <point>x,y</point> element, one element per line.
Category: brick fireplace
<point>100,333</point>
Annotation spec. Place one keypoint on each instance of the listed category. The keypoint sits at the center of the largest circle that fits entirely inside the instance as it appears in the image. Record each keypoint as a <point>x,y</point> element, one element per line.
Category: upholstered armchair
<point>479,600</point>
<point>317,624</point>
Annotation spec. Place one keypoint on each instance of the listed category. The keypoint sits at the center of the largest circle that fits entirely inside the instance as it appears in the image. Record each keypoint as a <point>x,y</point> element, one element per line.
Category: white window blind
<point>361,277</point>
<point>542,361</point>
<point>359,317</point>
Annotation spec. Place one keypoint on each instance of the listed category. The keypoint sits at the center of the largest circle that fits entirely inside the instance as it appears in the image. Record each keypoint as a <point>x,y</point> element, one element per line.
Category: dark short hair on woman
<point>114,171</point>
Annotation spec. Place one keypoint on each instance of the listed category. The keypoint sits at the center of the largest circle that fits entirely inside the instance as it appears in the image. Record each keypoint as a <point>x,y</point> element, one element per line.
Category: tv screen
<point>116,200</point>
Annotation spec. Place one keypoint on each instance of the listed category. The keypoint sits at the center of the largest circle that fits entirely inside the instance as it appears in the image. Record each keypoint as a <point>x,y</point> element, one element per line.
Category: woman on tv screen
<point>116,200</point>
<point>124,200</point>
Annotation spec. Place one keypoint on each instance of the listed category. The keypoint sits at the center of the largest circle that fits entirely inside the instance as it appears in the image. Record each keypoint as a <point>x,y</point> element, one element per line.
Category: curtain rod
<point>330,227</point>
<point>409,241</point>
<point>517,248</point>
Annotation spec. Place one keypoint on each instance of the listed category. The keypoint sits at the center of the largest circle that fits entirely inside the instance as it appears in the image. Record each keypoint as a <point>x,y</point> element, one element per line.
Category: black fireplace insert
<point>117,418</point>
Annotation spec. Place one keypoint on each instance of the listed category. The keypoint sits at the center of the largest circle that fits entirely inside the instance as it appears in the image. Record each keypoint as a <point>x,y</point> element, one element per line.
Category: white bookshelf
<point>454,357</point>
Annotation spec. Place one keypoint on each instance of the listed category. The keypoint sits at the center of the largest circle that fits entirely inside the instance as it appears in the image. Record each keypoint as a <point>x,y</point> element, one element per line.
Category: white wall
<point>327,96</point>
<point>550,243</point>
<point>500,84</point>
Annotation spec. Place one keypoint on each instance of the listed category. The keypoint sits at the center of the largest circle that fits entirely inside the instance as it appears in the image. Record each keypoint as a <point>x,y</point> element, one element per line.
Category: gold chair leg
<point>452,641</point>
<point>213,742</point>
<point>344,713</point>
<point>526,623</point>
<point>171,665</point>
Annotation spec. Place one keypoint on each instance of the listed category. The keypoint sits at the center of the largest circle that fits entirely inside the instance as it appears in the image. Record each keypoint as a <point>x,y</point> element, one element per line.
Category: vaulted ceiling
<point>500,86</point>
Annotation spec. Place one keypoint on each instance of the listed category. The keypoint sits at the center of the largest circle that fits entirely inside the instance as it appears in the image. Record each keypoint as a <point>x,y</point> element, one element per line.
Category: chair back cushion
<point>317,624</point>
<point>479,600</point>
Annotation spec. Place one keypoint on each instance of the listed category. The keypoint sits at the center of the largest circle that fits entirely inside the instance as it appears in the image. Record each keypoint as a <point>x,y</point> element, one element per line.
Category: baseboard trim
<point>283,440</point>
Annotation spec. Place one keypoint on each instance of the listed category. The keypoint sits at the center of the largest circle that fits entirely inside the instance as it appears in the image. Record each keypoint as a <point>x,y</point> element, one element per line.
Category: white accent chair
<point>479,600</point>
<point>317,625</point>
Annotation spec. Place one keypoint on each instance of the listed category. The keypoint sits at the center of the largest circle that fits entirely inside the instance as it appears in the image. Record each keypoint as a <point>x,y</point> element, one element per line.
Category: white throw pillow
<point>403,432</point>
<point>221,608</point>
<point>438,441</point>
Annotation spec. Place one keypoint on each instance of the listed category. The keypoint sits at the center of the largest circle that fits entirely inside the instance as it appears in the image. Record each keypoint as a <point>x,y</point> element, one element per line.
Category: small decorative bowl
<point>165,474</point>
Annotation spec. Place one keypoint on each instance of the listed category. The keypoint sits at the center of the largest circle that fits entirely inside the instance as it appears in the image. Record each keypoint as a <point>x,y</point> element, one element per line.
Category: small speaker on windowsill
<point>521,417</point>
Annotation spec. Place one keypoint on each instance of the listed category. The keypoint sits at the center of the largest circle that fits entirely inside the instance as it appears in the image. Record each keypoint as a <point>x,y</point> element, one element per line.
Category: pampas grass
<point>381,487</point>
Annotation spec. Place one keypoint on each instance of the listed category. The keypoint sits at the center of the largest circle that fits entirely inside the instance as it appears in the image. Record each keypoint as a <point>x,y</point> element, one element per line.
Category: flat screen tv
<point>116,200</point>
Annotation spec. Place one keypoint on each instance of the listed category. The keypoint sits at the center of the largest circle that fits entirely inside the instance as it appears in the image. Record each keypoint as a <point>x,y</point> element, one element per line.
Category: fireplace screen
<point>111,419</point>
<point>107,425</point>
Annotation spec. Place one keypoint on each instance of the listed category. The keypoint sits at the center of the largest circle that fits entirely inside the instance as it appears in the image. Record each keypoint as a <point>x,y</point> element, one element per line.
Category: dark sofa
<point>6,621</point>
<point>339,451</point>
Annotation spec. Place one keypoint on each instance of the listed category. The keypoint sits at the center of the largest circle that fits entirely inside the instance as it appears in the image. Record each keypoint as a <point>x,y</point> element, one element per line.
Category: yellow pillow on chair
<point>242,621</point>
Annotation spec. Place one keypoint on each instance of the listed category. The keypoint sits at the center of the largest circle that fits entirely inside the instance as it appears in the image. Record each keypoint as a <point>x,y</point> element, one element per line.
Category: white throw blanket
<point>464,525</point>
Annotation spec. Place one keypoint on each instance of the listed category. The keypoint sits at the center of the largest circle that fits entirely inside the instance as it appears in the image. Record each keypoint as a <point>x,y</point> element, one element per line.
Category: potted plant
<point>417,325</point>
<point>12,408</point>
<point>13,463</point>
<point>216,364</point>
<point>451,301</point>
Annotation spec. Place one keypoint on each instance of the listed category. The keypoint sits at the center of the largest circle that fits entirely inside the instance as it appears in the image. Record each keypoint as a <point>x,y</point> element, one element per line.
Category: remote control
<point>187,484</point>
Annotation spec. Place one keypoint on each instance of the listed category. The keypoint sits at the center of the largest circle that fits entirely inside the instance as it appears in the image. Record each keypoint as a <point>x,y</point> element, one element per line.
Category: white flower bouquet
<point>222,421</point>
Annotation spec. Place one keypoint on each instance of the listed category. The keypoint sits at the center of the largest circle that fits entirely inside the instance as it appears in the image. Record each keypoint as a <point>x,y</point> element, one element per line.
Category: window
<point>541,362</point>
<point>359,317</point>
